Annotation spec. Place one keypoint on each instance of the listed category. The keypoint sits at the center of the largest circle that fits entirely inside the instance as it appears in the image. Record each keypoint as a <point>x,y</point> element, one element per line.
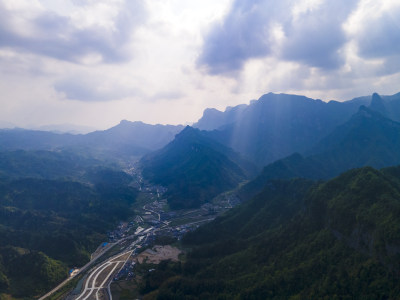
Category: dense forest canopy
<point>297,239</point>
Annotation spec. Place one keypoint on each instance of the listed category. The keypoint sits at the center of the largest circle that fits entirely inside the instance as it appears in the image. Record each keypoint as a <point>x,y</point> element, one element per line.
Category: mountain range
<point>322,139</point>
<point>367,139</point>
<point>127,139</point>
<point>279,135</point>
<point>290,159</point>
<point>270,128</point>
<point>278,125</point>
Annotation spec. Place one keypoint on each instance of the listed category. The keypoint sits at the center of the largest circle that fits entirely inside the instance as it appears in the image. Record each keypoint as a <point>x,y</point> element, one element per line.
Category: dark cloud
<point>380,37</point>
<point>56,36</point>
<point>317,36</point>
<point>314,38</point>
<point>241,36</point>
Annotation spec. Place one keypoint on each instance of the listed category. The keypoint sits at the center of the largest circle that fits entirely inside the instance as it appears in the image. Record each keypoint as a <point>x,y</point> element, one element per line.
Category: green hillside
<point>45,164</point>
<point>48,226</point>
<point>296,240</point>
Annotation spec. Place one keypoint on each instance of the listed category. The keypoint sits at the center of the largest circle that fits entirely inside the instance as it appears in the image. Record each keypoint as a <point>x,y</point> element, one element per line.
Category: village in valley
<point>135,246</point>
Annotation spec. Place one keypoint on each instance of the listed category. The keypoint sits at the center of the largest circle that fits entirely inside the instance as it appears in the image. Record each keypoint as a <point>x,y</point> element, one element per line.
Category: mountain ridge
<point>366,139</point>
<point>193,167</point>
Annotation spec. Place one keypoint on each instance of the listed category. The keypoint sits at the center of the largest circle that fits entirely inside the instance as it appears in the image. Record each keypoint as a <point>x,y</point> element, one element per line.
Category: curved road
<point>93,288</point>
<point>83,269</point>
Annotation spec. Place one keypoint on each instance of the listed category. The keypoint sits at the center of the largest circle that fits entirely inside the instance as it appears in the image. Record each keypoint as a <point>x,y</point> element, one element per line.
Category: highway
<point>81,270</point>
<point>90,263</point>
<point>100,274</point>
<point>97,284</point>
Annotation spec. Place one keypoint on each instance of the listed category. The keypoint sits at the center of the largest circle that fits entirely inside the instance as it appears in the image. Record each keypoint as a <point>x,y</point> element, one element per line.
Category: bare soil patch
<point>159,253</point>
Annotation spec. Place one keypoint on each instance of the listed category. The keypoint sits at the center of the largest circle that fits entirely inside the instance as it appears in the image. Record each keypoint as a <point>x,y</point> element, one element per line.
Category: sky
<point>96,62</point>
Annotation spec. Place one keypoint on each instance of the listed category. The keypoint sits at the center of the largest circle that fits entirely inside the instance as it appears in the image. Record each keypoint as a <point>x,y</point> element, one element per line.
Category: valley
<point>114,261</point>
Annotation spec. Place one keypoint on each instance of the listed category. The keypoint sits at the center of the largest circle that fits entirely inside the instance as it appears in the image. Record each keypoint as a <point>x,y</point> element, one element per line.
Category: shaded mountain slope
<point>388,106</point>
<point>278,125</point>
<point>367,139</point>
<point>294,166</point>
<point>296,240</point>
<point>45,164</point>
<point>194,168</point>
<point>215,119</point>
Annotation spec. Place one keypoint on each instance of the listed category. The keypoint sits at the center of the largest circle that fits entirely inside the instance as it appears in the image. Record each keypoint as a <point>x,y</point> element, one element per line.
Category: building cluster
<point>126,272</point>
<point>120,232</point>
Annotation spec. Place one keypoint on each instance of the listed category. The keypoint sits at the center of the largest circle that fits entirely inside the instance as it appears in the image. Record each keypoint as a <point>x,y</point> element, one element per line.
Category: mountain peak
<point>193,167</point>
<point>128,123</point>
<point>188,130</point>
<point>211,111</point>
<point>377,104</point>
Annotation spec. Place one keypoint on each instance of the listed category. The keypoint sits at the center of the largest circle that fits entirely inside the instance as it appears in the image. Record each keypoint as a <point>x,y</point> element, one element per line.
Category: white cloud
<point>102,29</point>
<point>96,62</point>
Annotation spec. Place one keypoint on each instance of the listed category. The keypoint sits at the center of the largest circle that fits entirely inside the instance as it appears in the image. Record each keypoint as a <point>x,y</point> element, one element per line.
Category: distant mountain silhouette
<point>194,168</point>
<point>278,125</point>
<point>214,119</point>
<point>65,128</point>
<point>126,139</point>
<point>378,105</point>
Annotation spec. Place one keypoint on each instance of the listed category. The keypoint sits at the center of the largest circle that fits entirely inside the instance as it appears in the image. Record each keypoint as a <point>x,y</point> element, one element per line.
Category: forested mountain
<point>45,164</point>
<point>296,240</point>
<point>57,224</point>
<point>278,125</point>
<point>367,139</point>
<point>194,168</point>
<point>59,194</point>
<point>55,208</point>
